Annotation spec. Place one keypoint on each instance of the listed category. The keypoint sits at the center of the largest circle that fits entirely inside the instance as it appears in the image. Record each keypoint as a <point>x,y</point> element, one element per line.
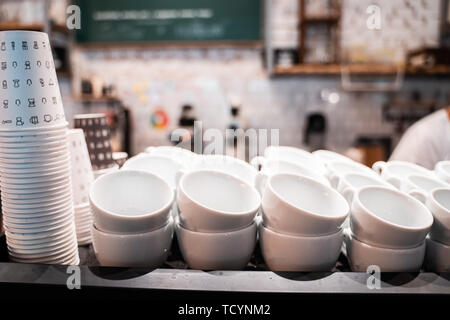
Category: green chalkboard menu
<point>140,21</point>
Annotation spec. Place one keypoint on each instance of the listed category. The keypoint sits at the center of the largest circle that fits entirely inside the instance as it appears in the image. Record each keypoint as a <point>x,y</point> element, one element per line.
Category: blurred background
<point>349,75</point>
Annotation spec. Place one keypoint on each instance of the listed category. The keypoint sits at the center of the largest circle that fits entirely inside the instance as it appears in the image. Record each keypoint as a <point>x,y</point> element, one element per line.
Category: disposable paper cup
<point>63,229</point>
<point>43,205</point>
<point>32,163</point>
<point>20,220</point>
<point>41,153</point>
<point>98,138</point>
<point>50,173</point>
<point>81,169</point>
<point>69,231</point>
<point>17,228</point>
<point>33,194</point>
<point>29,83</point>
<point>37,212</point>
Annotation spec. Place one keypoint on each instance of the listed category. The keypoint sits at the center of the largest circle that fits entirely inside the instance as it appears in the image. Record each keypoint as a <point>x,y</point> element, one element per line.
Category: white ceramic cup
<point>223,163</point>
<point>337,169</point>
<point>362,255</point>
<point>298,205</point>
<point>395,171</point>
<point>213,201</point>
<point>442,170</point>
<point>437,256</point>
<point>184,156</point>
<point>270,167</point>
<point>420,186</point>
<point>229,250</point>
<point>384,217</point>
<point>283,252</point>
<point>352,182</point>
<point>162,166</point>
<point>295,155</point>
<point>327,156</point>
<point>130,201</point>
<point>438,202</point>
<point>149,249</point>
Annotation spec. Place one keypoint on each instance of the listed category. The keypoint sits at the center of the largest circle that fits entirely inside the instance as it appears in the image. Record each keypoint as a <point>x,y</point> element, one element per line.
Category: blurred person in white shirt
<point>427,141</point>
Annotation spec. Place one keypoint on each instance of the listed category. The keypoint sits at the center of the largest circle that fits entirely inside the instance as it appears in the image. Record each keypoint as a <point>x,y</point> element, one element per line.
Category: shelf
<point>11,25</point>
<point>369,69</point>
<point>321,19</point>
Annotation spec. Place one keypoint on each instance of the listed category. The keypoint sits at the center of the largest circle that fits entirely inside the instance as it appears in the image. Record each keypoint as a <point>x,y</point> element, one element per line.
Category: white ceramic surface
<point>352,182</point>
<point>298,205</point>
<point>162,166</point>
<point>384,217</point>
<point>149,249</point>
<point>295,155</point>
<point>213,201</point>
<point>420,186</point>
<point>217,250</point>
<point>362,255</point>
<point>337,169</point>
<point>130,201</point>
<point>395,171</point>
<point>283,252</point>
<point>438,202</point>
<point>327,156</point>
<point>442,170</point>
<point>184,156</point>
<point>437,256</point>
<point>271,167</point>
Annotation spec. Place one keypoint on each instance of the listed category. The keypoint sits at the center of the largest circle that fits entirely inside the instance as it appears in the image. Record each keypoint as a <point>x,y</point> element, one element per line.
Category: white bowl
<point>283,252</point>
<point>130,201</point>
<point>298,205</point>
<point>437,256</point>
<point>149,249</point>
<point>362,255</point>
<point>395,171</point>
<point>162,166</point>
<point>442,170</point>
<point>213,201</point>
<point>295,155</point>
<point>438,202</point>
<point>384,217</point>
<point>217,250</point>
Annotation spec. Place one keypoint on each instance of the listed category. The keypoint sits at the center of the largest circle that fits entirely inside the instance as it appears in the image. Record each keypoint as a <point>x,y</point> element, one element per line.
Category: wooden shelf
<point>370,69</point>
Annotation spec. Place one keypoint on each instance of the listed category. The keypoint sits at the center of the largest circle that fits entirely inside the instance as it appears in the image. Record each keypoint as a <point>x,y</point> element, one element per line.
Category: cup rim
<point>298,237</point>
<point>359,174</point>
<point>311,181</point>
<point>33,129</point>
<point>424,170</point>
<point>437,203</point>
<point>94,229</point>
<point>392,224</point>
<point>348,233</point>
<point>179,225</point>
<point>166,206</point>
<point>439,167</point>
<point>230,176</point>
<point>426,177</point>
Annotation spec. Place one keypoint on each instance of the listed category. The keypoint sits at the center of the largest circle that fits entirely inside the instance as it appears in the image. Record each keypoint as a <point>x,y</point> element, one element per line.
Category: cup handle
<point>334,179</point>
<point>258,162</point>
<point>348,194</point>
<point>178,176</point>
<point>419,195</point>
<point>379,166</point>
<point>260,182</point>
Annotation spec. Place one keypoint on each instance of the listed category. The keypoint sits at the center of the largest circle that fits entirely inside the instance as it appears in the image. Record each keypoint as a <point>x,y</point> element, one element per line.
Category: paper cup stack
<point>98,140</point>
<point>82,178</point>
<point>34,159</point>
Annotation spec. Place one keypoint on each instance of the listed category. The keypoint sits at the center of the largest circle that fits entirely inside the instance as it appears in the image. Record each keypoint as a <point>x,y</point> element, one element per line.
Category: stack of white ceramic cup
<point>34,160</point>
<point>82,178</point>
<point>301,223</point>
<point>132,226</point>
<point>216,227</point>
<point>438,241</point>
<point>387,229</point>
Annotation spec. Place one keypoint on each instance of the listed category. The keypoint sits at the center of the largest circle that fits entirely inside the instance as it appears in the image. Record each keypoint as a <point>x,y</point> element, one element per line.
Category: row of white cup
<point>210,238</point>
